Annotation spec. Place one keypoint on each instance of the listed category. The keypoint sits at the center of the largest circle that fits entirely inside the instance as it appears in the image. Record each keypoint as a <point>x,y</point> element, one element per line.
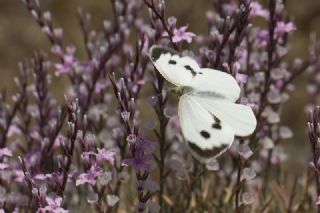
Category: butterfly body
<point>208,114</point>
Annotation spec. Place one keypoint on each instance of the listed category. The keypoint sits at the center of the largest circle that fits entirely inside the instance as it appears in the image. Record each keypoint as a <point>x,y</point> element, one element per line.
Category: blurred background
<point>20,36</point>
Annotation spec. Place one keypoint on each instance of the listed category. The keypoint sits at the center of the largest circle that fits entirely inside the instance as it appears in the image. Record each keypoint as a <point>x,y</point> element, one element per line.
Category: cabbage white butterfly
<point>208,114</point>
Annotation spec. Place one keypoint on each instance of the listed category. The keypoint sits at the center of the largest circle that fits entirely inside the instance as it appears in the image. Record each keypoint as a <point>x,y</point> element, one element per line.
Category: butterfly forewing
<point>185,72</point>
<point>178,70</point>
<point>218,82</point>
<point>239,117</point>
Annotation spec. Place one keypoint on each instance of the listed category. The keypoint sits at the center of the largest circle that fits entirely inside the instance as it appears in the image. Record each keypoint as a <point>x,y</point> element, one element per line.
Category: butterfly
<point>208,115</point>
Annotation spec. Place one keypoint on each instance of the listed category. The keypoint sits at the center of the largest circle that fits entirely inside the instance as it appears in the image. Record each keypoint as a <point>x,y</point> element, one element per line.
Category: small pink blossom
<point>241,78</point>
<point>283,28</point>
<point>3,166</point>
<point>42,176</point>
<point>53,206</point>
<point>262,38</point>
<point>68,60</point>
<point>35,136</point>
<point>257,10</point>
<point>5,152</point>
<point>99,87</point>
<point>179,34</point>
<point>18,176</point>
<point>13,129</point>
<point>90,176</point>
<point>102,156</point>
<point>105,155</point>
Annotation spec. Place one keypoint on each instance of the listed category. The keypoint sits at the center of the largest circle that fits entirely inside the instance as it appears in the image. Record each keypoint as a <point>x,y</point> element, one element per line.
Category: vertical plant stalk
<point>163,121</point>
<point>68,147</point>
<point>158,14</point>
<point>19,99</point>
<point>239,184</point>
<point>314,138</point>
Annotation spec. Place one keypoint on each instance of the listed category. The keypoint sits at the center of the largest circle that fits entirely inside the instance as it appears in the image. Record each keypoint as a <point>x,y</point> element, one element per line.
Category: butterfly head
<point>181,90</point>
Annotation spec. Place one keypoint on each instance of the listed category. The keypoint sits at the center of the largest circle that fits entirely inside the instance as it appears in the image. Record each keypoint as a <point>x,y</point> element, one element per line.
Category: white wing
<point>208,116</point>
<point>239,117</point>
<point>176,69</point>
<point>207,136</point>
<point>222,83</point>
<point>185,72</point>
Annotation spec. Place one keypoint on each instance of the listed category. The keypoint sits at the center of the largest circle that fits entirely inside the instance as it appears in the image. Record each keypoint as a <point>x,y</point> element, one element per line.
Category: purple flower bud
<point>92,197</point>
<point>212,165</point>
<point>112,200</point>
<point>247,198</point>
<point>248,174</point>
<point>244,151</point>
<point>47,16</point>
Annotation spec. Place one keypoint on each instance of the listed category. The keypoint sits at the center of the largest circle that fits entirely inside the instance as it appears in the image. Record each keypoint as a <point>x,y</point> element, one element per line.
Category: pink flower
<point>105,155</point>
<point>257,10</point>
<point>241,78</point>
<point>102,156</point>
<point>283,28</point>
<point>100,86</point>
<point>69,60</point>
<point>53,206</point>
<point>18,176</point>
<point>13,129</point>
<point>181,34</point>
<point>262,38</point>
<point>3,166</point>
<point>5,152</point>
<point>90,176</point>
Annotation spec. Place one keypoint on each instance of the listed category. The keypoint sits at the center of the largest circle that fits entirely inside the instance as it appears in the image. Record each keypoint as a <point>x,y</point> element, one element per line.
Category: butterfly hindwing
<point>206,134</point>
<point>239,117</point>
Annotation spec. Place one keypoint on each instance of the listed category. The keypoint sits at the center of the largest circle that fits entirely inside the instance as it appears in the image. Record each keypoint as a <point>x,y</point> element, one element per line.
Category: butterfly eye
<point>205,134</point>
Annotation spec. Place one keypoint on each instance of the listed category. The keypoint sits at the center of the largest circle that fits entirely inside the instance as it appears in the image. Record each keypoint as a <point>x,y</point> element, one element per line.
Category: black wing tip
<point>204,154</point>
<point>156,51</point>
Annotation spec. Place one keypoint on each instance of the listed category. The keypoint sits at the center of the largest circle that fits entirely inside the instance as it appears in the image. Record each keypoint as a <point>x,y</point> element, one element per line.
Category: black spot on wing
<point>205,134</point>
<point>157,51</point>
<point>206,153</point>
<point>216,126</point>
<point>217,123</point>
<point>172,62</point>
<point>191,70</point>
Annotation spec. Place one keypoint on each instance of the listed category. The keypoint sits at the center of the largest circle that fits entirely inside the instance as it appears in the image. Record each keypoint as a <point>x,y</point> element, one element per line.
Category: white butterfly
<point>208,116</point>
